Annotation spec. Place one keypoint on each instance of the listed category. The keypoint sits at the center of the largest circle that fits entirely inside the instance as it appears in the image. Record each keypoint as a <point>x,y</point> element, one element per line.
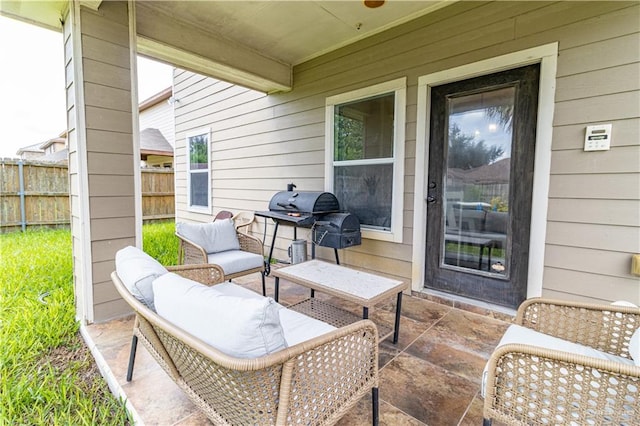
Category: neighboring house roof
<point>60,139</point>
<point>153,143</point>
<point>497,172</point>
<point>156,99</point>
<point>31,148</point>
<point>42,146</point>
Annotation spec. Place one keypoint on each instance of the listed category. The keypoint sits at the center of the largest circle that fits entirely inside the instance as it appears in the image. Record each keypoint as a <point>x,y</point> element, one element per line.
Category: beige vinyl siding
<point>107,156</point>
<point>159,116</point>
<point>572,136</point>
<point>261,143</point>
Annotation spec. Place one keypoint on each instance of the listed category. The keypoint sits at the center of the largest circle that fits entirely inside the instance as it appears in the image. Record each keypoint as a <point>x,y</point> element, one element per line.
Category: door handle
<point>432,194</point>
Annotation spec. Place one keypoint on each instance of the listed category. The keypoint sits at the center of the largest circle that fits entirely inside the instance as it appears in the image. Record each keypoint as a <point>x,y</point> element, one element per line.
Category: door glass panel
<point>476,182</point>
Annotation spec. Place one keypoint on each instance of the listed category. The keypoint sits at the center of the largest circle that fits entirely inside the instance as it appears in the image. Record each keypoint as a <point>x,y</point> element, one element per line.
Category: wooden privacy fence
<point>37,194</point>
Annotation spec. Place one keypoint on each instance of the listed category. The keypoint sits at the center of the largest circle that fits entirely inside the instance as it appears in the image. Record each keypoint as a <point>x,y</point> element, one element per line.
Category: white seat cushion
<point>137,270</point>
<point>526,336</point>
<point>213,237</point>
<point>297,327</point>
<point>234,261</point>
<point>243,327</point>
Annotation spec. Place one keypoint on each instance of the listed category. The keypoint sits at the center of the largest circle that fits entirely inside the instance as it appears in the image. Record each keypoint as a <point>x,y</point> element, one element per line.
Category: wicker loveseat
<point>313,382</point>
<point>566,363</point>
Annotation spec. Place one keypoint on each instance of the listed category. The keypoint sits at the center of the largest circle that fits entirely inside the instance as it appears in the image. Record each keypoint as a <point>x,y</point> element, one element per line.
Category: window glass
<point>199,190</point>
<point>198,170</point>
<point>366,192</point>
<point>198,155</point>
<point>364,129</point>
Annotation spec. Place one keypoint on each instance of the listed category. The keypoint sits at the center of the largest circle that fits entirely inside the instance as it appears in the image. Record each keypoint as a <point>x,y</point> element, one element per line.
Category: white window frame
<point>198,209</point>
<point>399,88</point>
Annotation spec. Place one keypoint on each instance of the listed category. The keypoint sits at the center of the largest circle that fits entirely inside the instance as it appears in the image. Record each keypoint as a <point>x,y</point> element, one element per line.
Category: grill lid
<point>310,202</point>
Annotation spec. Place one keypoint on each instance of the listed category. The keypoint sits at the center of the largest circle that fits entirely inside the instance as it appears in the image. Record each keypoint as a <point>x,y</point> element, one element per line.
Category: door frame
<point>546,55</point>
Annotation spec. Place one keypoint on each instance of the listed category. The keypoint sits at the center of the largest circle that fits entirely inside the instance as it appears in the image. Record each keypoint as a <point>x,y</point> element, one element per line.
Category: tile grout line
<point>466,411</point>
<point>403,351</point>
<point>402,411</point>
<point>414,340</point>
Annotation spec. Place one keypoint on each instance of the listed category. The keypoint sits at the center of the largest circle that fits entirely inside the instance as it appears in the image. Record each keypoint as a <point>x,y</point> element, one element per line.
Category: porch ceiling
<point>293,32</point>
<point>253,43</point>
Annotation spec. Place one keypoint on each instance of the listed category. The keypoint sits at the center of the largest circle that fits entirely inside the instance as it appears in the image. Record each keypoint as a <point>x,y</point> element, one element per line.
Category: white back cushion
<point>137,270</point>
<point>238,326</point>
<point>213,237</point>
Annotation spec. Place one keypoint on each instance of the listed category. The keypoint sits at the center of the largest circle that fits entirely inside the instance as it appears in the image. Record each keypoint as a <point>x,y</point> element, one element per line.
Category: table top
<point>361,287</point>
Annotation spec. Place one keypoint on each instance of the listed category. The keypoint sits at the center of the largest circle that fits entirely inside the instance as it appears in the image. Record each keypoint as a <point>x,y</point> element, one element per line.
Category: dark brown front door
<point>480,178</point>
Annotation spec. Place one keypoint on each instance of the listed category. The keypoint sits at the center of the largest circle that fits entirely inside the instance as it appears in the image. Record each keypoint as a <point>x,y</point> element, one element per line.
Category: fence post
<point>23,214</point>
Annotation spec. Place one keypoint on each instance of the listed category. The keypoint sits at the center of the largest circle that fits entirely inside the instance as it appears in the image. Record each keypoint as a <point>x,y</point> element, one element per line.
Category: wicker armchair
<point>190,252</point>
<point>243,220</point>
<point>312,383</point>
<point>528,384</point>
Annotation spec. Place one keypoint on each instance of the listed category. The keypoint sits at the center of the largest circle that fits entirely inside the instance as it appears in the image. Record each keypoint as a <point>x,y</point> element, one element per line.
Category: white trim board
<point>135,122</point>
<point>85,304</point>
<point>547,56</point>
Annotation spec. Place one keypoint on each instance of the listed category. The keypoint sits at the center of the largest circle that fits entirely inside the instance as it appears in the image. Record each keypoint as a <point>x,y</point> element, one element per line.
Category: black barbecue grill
<point>300,208</point>
<point>317,210</point>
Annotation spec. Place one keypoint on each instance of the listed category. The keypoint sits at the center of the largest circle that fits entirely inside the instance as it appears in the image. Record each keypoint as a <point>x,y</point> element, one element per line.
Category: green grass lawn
<point>47,375</point>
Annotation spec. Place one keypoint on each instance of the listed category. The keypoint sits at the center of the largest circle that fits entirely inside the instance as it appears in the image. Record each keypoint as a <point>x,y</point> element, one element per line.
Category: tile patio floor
<point>432,376</point>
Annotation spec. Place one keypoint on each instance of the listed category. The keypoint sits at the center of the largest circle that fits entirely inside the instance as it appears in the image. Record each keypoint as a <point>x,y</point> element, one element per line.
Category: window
<point>365,156</point>
<point>198,179</point>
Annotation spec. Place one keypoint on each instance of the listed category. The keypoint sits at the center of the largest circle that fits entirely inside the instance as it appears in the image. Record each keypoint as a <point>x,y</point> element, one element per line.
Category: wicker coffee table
<point>362,288</point>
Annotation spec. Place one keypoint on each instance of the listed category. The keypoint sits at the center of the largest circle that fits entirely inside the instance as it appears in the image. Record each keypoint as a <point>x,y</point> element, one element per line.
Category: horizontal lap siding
<point>594,198</point>
<point>260,143</point>
<point>255,151</point>
<point>109,157</point>
<point>159,116</point>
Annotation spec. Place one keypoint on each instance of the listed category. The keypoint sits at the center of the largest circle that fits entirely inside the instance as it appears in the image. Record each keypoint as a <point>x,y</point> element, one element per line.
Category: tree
<point>198,155</point>
<point>465,153</point>
<point>503,114</point>
<point>349,138</point>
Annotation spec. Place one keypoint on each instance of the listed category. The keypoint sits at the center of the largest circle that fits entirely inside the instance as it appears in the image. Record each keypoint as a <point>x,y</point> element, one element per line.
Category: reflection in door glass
<point>476,181</point>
